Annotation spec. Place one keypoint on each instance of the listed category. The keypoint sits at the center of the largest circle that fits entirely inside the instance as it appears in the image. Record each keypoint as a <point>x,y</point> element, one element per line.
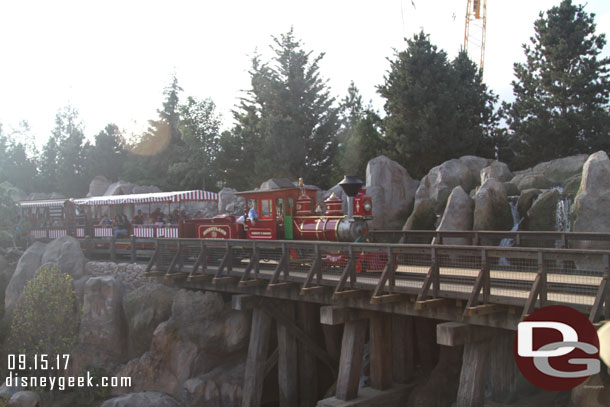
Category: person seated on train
<point>105,221</point>
<point>156,215</point>
<point>252,214</point>
<point>121,226</point>
<point>139,218</point>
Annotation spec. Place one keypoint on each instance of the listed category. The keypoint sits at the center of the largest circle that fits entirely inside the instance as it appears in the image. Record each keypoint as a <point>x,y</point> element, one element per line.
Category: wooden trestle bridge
<point>465,278</point>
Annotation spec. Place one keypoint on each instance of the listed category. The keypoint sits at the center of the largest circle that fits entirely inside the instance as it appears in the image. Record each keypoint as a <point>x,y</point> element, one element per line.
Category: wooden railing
<point>487,278</point>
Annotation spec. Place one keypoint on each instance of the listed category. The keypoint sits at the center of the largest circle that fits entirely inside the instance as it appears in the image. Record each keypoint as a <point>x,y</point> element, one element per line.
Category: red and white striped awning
<point>44,203</point>
<point>156,197</point>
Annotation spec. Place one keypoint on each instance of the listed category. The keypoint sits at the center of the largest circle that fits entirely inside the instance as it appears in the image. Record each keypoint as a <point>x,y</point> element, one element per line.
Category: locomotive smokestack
<point>350,186</point>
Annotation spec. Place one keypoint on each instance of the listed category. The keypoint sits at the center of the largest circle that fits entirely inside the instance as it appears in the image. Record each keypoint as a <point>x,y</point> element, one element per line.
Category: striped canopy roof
<point>154,197</point>
<point>44,203</point>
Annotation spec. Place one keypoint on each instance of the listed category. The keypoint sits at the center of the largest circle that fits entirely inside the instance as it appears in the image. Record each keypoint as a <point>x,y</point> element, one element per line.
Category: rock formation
<point>457,216</point>
<point>491,208</point>
<point>392,190</point>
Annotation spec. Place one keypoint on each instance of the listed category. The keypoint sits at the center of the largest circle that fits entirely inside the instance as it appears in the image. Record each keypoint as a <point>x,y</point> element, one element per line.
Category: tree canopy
<point>436,109</point>
<point>562,89</point>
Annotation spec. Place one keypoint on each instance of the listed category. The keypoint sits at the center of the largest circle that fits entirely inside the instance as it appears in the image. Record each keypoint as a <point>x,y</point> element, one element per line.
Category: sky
<point>111,60</point>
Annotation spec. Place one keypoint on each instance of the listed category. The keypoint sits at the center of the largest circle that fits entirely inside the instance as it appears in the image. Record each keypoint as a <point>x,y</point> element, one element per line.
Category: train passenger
<point>139,218</point>
<point>252,214</point>
<point>105,221</point>
<point>121,226</point>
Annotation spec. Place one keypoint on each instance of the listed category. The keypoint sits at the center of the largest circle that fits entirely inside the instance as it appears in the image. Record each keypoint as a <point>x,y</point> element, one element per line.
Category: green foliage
<point>46,317</point>
<point>360,138</point>
<point>107,156</point>
<point>286,124</point>
<point>562,90</point>
<point>17,165</point>
<point>436,109</point>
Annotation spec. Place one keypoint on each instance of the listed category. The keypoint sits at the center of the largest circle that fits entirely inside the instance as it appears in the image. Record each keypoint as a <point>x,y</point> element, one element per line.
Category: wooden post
<point>287,361</point>
<point>257,358</point>
<point>350,366</point>
<point>308,321</point>
<point>503,373</point>
<point>133,249</point>
<point>403,348</point>
<point>112,249</point>
<point>381,351</point>
<point>473,376</point>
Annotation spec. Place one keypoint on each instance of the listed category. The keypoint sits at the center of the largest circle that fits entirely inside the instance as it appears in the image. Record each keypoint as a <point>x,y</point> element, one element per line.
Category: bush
<point>46,317</point>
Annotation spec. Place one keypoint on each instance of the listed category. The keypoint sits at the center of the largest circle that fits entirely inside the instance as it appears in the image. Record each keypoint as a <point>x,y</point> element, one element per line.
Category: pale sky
<point>111,60</point>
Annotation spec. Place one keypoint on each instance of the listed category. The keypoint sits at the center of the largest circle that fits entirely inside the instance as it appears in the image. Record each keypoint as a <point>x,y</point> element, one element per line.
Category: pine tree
<point>562,90</point>
<point>436,109</point>
<point>287,123</point>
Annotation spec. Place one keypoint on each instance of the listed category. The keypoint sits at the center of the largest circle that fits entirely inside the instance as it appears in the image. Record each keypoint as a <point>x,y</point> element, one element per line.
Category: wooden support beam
<point>308,320</point>
<point>347,294</point>
<point>350,366</point>
<point>176,276</point>
<point>253,282</point>
<point>281,286</point>
<point>349,271</point>
<point>315,269</point>
<point>254,264</point>
<point>338,315</point>
<point>473,377</point>
<point>200,277</point>
<point>482,283</point>
<point>287,361</point>
<point>132,247</point>
<point>256,360</point>
<point>386,275</point>
<point>432,279</point>
<point>503,382</point>
<point>225,263</point>
<point>153,258</point>
<point>427,304</point>
<point>272,360</point>
<point>223,280</point>
<point>381,351</point>
<point>317,290</point>
<point>403,348</point>
<point>484,309</point>
<point>387,298</point>
<point>459,333</point>
<point>201,261</point>
<point>282,266</point>
<point>243,302</point>
<point>603,295</point>
<point>538,289</point>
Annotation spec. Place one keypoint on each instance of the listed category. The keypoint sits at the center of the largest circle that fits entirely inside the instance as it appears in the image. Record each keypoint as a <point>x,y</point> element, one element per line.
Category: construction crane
<point>474,31</point>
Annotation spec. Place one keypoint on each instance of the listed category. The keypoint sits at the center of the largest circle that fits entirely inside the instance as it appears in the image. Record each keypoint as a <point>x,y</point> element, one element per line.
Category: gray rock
<point>221,387</point>
<point>25,399</point>
<point>541,215</point>
<point>526,199</point>
<point>103,330</point>
<point>225,197</point>
<point>555,172</point>
<point>491,208</point>
<point>458,215</point>
<point>276,183</point>
<point>423,216</point>
<point>202,333</point>
<point>119,188</point>
<point>25,271</point>
<point>143,399</point>
<point>98,186</point>
<point>533,181</point>
<point>6,392</point>
<point>145,189</point>
<point>511,189</point>
<point>392,190</point>
<point>67,254</point>
<point>440,181</point>
<point>145,308</point>
<point>16,193</point>
<point>475,165</point>
<point>496,170</point>
<point>590,209</point>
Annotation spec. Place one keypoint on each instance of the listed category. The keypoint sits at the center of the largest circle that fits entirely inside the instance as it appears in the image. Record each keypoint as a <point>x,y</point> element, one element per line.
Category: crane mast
<point>474,31</point>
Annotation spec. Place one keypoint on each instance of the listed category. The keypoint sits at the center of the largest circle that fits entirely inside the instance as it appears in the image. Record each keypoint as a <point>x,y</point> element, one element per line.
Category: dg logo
<point>557,348</point>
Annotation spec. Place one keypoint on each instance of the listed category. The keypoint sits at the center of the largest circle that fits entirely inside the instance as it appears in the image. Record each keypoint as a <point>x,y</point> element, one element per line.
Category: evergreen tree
<point>199,126</point>
<point>17,164</point>
<point>436,109</point>
<point>562,90</point>
<point>360,138</point>
<point>287,124</point>
<point>107,156</point>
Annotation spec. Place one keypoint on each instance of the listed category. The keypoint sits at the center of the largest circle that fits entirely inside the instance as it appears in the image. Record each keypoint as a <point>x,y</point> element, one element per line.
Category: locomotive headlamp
<point>368,206</point>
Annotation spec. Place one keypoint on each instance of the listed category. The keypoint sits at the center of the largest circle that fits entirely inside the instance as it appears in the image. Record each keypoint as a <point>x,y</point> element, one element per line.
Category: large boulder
<point>25,271</point>
<point>143,399</point>
<point>423,216</point>
<point>221,387</point>
<point>526,200</point>
<point>202,333</point>
<point>554,172</point>
<point>457,216</point>
<point>25,399</point>
<point>145,308</point>
<point>440,181</point>
<point>392,190</point>
<point>542,214</point>
<point>98,186</point>
<point>67,254</point>
<point>590,209</point>
<point>119,188</point>
<point>103,331</point>
<point>496,170</point>
<point>491,208</point>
